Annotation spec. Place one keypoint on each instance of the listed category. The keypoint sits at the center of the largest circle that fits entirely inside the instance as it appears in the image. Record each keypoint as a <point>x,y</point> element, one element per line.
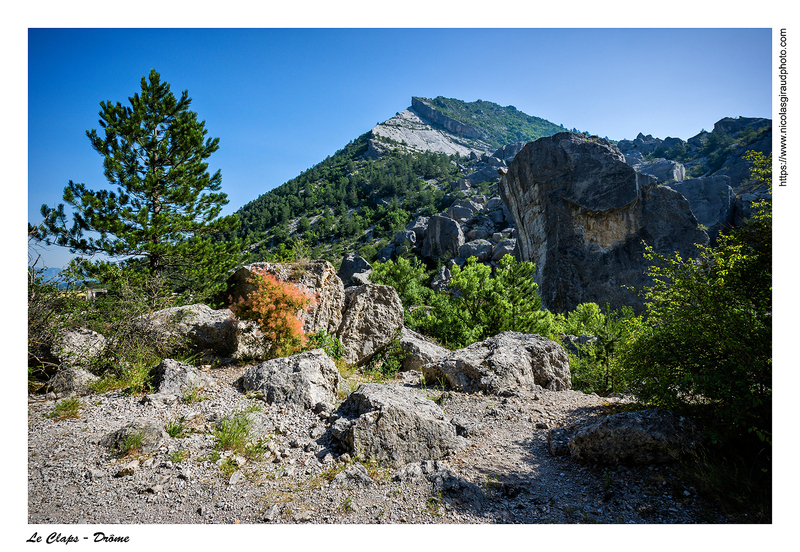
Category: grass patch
<point>193,395</point>
<point>177,456</point>
<point>68,408</point>
<point>131,444</point>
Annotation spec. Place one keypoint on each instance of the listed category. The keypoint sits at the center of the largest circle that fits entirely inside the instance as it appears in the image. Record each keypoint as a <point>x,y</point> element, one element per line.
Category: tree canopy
<point>165,206</point>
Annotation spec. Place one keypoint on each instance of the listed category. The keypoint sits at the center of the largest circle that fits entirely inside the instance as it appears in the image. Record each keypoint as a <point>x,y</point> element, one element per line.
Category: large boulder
<point>444,235</point>
<point>371,318</point>
<point>172,377</point>
<point>77,347</point>
<point>317,279</point>
<point>630,438</point>
<point>480,249</point>
<point>351,265</point>
<point>507,361</point>
<point>196,325</point>
<point>712,201</point>
<point>304,380</point>
<point>70,382</point>
<point>583,216</point>
<point>463,209</point>
<point>394,424</point>
<point>419,350</point>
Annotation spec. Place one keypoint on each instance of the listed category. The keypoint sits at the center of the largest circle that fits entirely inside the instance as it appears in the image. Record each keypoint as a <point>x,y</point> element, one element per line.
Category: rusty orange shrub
<point>276,307</point>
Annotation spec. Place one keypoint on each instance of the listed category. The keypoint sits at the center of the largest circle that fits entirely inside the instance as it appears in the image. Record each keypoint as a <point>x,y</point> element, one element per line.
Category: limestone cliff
<point>584,216</point>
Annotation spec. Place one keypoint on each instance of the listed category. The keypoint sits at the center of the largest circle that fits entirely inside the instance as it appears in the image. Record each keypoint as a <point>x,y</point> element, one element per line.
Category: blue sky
<point>281,100</point>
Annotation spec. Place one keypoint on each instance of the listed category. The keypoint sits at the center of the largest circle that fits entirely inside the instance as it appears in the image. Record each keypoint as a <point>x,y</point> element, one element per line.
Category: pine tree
<point>165,210</point>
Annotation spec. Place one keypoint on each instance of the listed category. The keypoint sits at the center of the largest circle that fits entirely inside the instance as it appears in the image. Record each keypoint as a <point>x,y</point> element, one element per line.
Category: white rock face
<point>420,136</point>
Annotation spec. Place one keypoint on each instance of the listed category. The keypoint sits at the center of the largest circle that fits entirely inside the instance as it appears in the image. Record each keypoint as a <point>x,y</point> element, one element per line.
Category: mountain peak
<point>447,125</point>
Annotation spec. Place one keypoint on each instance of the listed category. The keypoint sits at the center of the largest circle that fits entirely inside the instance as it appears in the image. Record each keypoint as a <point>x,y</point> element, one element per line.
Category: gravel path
<point>506,474</point>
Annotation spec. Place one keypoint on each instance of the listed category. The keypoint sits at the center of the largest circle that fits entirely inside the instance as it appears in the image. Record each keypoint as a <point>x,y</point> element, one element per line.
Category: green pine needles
<point>164,207</point>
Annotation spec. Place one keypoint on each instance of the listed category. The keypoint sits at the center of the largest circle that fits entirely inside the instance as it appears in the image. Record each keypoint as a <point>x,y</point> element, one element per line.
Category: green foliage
<point>595,369</point>
<point>329,343</point>
<point>386,365</point>
<point>165,210</point>
<point>480,304</point>
<point>67,408</point>
<point>706,344</point>
<point>503,125</point>
<point>132,346</point>
<point>407,277</point>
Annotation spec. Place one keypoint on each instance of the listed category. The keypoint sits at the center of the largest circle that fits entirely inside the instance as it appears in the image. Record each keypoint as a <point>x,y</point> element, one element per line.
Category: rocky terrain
<point>504,470</point>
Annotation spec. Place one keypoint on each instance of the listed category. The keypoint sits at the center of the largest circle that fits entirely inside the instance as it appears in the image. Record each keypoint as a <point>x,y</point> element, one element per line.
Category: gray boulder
<point>371,318</point>
<point>70,382</point>
<point>77,347</point>
<point>444,236</point>
<point>478,233</point>
<point>630,438</point>
<point>419,350</point>
<point>351,265</point>
<point>480,249</point>
<point>405,236</point>
<point>712,200</point>
<point>463,209</point>
<point>354,477</point>
<point>196,325</point>
<point>147,434</point>
<point>303,380</point>
<point>583,217</point>
<point>503,248</point>
<point>507,361</point>
<point>419,226</point>
<point>394,424</point>
<point>171,377</point>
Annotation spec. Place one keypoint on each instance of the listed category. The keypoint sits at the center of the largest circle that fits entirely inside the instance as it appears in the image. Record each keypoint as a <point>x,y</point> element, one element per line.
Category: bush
<point>132,348</point>
<point>596,369</point>
<point>705,347</point>
<point>479,304</point>
<point>275,305</point>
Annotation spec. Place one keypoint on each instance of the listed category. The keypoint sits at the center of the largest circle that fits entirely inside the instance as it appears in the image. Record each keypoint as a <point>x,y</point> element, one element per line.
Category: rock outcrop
<point>371,318</point>
<point>419,350</point>
<point>628,438</point>
<point>583,216</point>
<point>712,201</point>
<point>317,279</point>
<point>304,380</point>
<point>174,378</point>
<point>69,382</point>
<point>444,235</point>
<point>197,325</point>
<point>354,268</point>
<point>77,347</point>
<point>502,363</point>
<point>393,424</point>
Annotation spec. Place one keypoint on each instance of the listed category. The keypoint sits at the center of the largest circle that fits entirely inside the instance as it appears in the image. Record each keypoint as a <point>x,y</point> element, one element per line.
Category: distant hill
<point>405,167</point>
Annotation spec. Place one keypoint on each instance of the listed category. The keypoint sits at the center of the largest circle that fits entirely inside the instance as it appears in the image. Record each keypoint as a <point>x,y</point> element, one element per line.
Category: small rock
<point>128,469</point>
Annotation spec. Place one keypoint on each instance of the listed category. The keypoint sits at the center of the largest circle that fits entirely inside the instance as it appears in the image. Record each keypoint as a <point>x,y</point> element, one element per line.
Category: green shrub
<point>480,304</point>
<point>705,346</point>
<point>596,369</point>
